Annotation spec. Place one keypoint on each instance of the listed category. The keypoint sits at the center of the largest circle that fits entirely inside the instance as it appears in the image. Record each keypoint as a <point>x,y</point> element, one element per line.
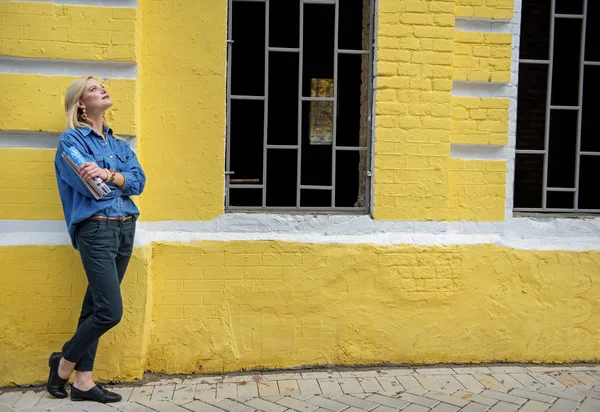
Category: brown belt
<point>103,218</point>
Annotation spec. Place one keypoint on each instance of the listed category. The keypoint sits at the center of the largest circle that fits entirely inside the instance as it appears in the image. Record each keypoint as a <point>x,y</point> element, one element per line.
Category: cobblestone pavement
<point>499,388</point>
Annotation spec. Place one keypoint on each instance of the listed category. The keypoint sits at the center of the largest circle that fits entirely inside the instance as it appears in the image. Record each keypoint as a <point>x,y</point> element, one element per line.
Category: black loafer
<point>56,385</point>
<point>96,394</point>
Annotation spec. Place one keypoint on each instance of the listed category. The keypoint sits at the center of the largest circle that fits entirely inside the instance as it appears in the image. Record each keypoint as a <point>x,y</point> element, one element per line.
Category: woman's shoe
<point>56,385</point>
<point>97,394</point>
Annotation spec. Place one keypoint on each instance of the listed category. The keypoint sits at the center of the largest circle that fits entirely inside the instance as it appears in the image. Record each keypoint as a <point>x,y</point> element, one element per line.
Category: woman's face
<point>95,98</point>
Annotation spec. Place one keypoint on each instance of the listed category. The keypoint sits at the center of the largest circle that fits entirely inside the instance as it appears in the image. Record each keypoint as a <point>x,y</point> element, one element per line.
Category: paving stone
<point>163,393</point>
<point>359,374</point>
<point>238,379</point>
<point>546,369</point>
<point>429,382</point>
<point>166,381</point>
<point>206,391</point>
<point>226,390</point>
<point>508,369</point>
<point>199,406</point>
<point>567,379</point>
<point>528,381</point>
<point>470,383</point>
<point>588,392</point>
<point>356,402</point>
<point>184,393</point>
<point>586,378</point>
<point>504,397</point>
<point>143,393</point>
<point>370,385</point>
<point>136,407</point>
<point>297,405</point>
<point>305,397</point>
<point>471,370</point>
<point>268,389</point>
<point>410,384</point>
<point>396,372</point>
<point>383,408</point>
<point>271,398</point>
<point>99,407</point>
<point>281,376</point>
<point>28,400</point>
<point>233,406</point>
<point>266,406</point>
<point>415,408</point>
<point>327,403</point>
<point>6,409</point>
<point>444,407</point>
<point>567,393</point>
<point>389,384</point>
<point>320,375</point>
<point>488,381</point>
<point>48,401</point>
<point>37,409</point>
<point>125,393</point>
<point>387,401</point>
<point>535,406</point>
<point>67,408</point>
<point>444,398</point>
<point>309,387</point>
<point>474,407</point>
<point>563,405</point>
<point>9,398</point>
<point>163,406</point>
<point>449,382</point>
<point>247,389</point>
<point>523,393</point>
<point>473,397</point>
<point>507,381</point>
<point>204,380</point>
<point>435,371</point>
<point>353,409</point>
<point>349,385</point>
<point>547,380</point>
<point>503,407</point>
<point>419,400</point>
<point>288,387</point>
<point>330,387</point>
<point>589,405</point>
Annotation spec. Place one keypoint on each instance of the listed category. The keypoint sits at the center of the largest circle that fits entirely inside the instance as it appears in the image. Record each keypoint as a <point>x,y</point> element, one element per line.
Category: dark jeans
<point>105,248</point>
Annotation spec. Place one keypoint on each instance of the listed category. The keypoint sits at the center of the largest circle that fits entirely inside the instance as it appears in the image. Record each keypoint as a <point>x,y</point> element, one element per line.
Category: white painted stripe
<point>479,152</point>
<point>105,3</point>
<point>40,140</point>
<point>520,233</point>
<point>481,89</point>
<point>483,25</point>
<point>59,67</point>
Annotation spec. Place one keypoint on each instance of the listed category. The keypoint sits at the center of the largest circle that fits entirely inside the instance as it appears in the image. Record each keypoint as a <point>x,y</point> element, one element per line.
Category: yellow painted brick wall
<point>32,102</point>
<point>227,306</point>
<point>183,79</point>
<point>28,188</point>
<point>485,9</point>
<point>482,57</point>
<point>477,190</point>
<point>46,30</point>
<point>413,108</point>
<point>479,121</point>
<point>40,299</point>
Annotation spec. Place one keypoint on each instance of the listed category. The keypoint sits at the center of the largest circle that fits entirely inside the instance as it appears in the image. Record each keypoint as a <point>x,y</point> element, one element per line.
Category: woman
<point>102,230</point>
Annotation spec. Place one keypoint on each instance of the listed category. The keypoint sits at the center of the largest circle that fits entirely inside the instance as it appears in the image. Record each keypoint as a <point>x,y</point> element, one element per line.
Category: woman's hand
<point>89,170</point>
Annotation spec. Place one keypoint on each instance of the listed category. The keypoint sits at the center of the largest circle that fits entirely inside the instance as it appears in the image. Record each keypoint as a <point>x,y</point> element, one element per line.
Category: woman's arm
<point>132,179</point>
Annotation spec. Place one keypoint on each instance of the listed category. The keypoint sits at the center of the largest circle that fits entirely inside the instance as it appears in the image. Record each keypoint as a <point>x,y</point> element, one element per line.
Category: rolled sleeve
<point>135,178</point>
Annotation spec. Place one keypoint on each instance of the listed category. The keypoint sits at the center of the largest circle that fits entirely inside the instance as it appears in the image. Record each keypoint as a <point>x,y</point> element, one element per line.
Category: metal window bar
<point>266,106</point>
<point>335,103</point>
<point>298,146</point>
<point>549,107</point>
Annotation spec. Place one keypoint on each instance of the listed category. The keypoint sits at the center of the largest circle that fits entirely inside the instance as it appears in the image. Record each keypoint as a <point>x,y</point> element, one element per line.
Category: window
<point>299,97</point>
<point>558,150</point>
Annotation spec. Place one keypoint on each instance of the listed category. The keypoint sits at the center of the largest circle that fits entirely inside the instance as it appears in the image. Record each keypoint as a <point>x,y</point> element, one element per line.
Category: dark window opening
<point>557,148</point>
<point>298,105</point>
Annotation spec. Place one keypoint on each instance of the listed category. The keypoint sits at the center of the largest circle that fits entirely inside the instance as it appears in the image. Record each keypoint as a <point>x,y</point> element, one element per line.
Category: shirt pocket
<point>122,159</point>
<point>99,160</point>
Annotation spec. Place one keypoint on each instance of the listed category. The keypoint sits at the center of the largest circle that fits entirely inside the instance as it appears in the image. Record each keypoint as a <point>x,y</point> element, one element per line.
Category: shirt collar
<point>86,130</point>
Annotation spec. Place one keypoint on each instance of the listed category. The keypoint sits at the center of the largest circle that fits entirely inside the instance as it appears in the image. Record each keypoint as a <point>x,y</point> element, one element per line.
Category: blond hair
<point>72,109</point>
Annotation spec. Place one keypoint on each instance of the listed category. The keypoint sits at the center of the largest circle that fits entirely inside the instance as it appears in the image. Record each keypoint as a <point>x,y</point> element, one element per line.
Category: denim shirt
<point>78,202</point>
